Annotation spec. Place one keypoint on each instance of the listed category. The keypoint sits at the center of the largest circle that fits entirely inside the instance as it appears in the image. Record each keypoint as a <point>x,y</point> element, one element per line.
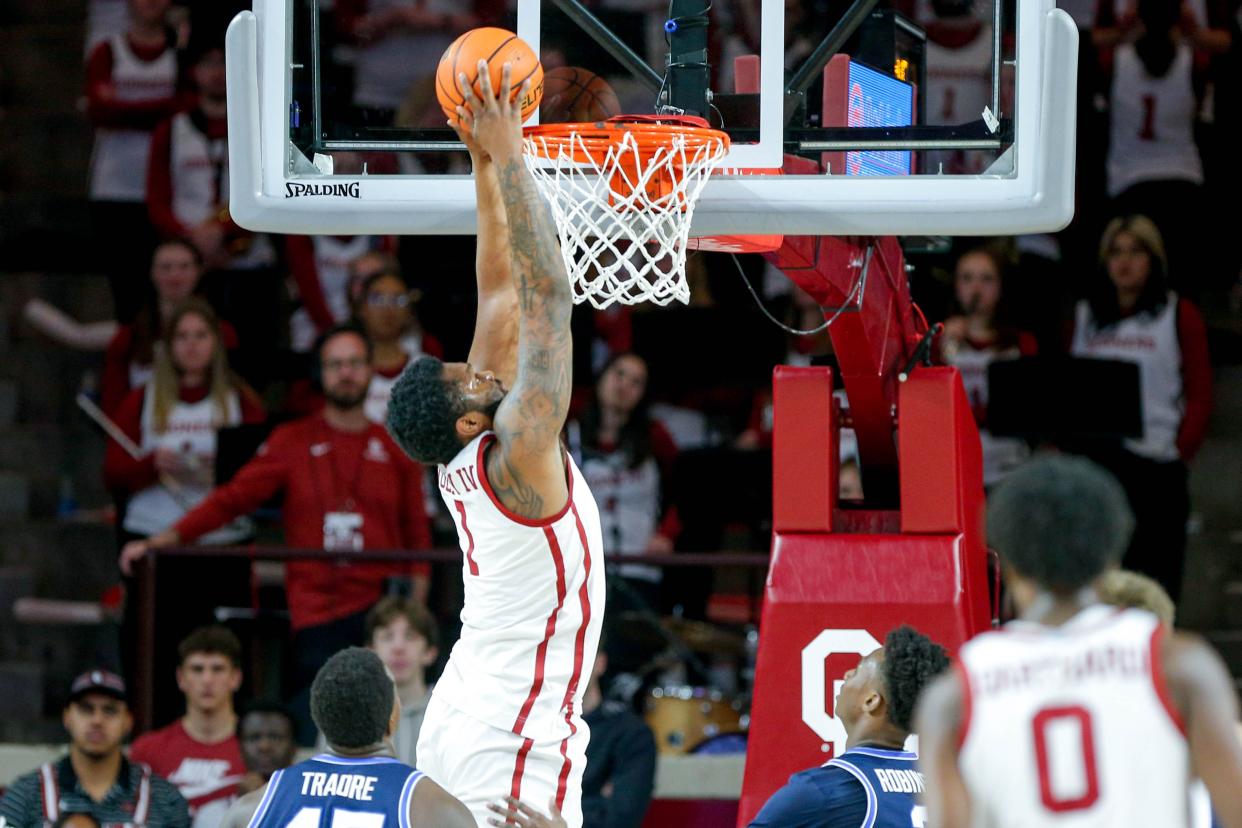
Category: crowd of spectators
<point>217,329</point>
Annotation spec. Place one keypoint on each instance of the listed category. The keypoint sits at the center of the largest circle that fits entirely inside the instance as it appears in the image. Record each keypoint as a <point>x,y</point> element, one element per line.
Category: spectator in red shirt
<point>200,753</point>
<point>1132,315</point>
<point>176,270</point>
<point>174,419</point>
<point>346,486</point>
<point>131,85</point>
<point>978,335</point>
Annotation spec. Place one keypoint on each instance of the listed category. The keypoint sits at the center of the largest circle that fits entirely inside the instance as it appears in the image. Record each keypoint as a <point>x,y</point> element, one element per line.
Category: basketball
<point>497,47</point>
<point>571,94</point>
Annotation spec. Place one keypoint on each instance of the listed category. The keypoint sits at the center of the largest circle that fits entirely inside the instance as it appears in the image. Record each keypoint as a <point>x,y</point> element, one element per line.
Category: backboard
<point>944,117</point>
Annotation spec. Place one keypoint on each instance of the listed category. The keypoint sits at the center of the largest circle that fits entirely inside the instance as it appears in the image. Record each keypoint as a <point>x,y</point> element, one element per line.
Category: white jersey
<point>192,429</point>
<point>1073,726</point>
<point>534,604</point>
<point>119,160</point>
<point>1151,341</point>
<point>1152,122</point>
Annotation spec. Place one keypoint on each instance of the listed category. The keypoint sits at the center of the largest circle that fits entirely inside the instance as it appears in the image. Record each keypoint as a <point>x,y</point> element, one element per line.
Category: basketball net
<point>623,193</point>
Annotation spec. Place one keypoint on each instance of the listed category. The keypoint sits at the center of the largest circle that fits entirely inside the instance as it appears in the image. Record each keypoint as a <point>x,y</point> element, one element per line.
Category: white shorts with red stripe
<point>478,763</point>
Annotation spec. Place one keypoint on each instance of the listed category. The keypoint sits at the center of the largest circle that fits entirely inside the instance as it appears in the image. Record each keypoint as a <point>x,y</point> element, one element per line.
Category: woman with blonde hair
<point>1132,315</point>
<point>174,420</point>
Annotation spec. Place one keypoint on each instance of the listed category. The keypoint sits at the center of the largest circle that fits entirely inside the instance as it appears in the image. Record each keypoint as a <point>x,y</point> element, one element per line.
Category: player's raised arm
<point>1208,702</point>
<point>494,347</point>
<point>528,473</point>
<point>938,722</point>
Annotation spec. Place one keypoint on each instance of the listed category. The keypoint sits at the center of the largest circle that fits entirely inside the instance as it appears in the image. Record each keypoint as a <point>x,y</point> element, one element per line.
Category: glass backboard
<point>893,117</point>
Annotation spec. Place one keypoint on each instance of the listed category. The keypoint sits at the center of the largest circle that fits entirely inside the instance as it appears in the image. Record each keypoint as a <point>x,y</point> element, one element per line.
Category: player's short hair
<point>392,607</point>
<point>911,661</point>
<point>1123,588</point>
<point>266,707</point>
<point>423,412</point>
<point>211,640</point>
<point>1059,520</point>
<point>351,699</point>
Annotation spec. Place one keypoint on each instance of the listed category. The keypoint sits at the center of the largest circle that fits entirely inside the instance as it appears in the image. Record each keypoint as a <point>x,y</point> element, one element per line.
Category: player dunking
<point>504,717</point>
<point>1078,713</point>
<point>358,781</point>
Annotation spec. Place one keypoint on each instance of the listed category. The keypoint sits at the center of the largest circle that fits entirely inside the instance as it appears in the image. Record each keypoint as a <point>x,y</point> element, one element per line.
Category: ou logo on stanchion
<point>814,681</point>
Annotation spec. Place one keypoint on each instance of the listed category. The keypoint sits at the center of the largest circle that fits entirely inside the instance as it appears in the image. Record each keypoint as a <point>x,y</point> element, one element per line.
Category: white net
<point>623,210</point>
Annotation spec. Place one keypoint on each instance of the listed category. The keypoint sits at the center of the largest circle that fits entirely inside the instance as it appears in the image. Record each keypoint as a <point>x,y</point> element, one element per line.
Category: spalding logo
<point>814,704</point>
<point>345,189</point>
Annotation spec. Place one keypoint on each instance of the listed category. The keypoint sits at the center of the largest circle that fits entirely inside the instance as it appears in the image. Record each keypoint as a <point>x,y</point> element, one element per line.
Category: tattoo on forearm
<point>532,416</point>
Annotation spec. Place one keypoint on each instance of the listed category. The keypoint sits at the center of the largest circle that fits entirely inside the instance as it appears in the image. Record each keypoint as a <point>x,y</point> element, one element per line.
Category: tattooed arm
<point>496,321</point>
<point>527,472</point>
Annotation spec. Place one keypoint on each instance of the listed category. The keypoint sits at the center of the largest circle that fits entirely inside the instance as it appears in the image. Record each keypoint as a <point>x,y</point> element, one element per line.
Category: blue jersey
<point>862,788</point>
<point>338,792</point>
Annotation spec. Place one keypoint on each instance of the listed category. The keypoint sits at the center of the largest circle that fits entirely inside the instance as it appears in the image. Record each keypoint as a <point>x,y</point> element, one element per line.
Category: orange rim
<point>591,142</point>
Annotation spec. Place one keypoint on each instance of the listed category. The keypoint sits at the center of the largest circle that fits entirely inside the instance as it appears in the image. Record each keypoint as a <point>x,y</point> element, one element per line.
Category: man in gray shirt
<point>404,634</point>
<point>95,777</point>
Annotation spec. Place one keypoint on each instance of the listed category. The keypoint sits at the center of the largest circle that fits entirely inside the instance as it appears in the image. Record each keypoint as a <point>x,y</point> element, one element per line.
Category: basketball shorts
<point>478,763</point>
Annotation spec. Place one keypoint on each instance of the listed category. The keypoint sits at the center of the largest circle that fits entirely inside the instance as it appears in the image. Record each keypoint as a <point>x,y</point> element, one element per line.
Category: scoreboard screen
<point>878,100</point>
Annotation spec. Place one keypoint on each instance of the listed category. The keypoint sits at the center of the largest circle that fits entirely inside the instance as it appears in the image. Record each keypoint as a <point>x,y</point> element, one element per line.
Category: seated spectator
<point>94,778</point>
<point>404,634</point>
<point>876,706</point>
<point>975,337</point>
<point>188,172</point>
<point>1131,315</point>
<point>174,419</point>
<point>621,759</point>
<point>625,457</point>
<point>345,486</point>
<point>385,308</point>
<point>266,730</point>
<point>200,752</point>
<point>176,270</point>
<point>131,85</point>
<point>320,267</point>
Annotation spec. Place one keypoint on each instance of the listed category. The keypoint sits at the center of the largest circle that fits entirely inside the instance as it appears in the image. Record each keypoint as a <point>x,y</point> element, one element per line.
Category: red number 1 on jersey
<point>1090,790</point>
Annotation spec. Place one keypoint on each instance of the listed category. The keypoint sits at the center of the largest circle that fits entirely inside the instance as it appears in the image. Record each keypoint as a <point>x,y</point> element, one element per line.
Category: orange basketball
<point>572,94</point>
<point>496,46</point>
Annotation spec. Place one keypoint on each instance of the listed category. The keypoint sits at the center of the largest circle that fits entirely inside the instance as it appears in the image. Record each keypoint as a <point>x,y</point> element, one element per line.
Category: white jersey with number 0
<point>534,604</point>
<point>1073,726</point>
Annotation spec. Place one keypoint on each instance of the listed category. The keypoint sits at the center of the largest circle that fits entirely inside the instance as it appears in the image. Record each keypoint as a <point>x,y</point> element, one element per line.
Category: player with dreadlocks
<point>875,781</point>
